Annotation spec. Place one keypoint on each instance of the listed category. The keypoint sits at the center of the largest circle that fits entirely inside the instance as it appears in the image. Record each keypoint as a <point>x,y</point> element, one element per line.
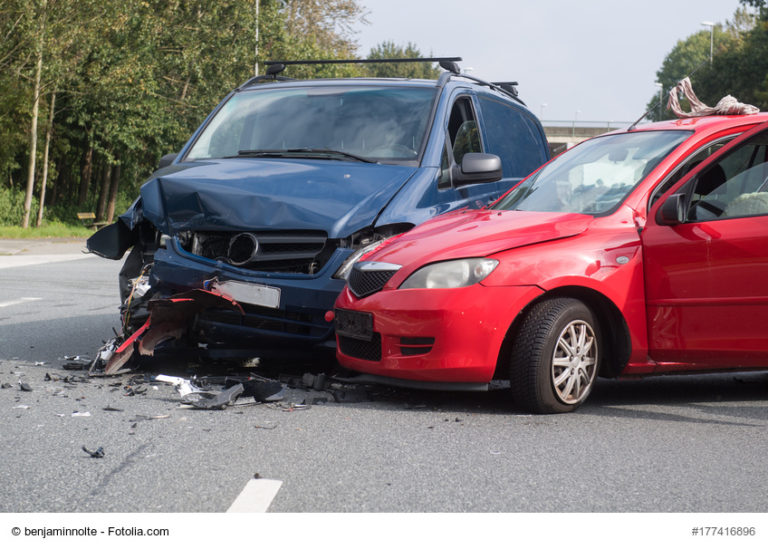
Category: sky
<point>588,60</point>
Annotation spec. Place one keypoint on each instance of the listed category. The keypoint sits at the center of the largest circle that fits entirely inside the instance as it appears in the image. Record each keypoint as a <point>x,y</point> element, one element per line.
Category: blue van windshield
<point>367,122</point>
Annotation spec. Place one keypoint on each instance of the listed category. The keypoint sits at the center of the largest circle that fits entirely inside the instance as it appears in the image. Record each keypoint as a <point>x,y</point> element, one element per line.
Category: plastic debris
<point>25,386</point>
<point>81,414</point>
<point>183,386</point>
<point>76,363</point>
<point>97,453</point>
<point>212,400</point>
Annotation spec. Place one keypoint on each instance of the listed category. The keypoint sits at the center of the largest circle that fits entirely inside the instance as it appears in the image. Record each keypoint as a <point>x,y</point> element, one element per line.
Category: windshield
<point>594,177</point>
<point>354,122</point>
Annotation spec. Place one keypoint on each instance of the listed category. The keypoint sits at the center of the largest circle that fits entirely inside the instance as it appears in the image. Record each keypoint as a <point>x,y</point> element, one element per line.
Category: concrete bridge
<point>564,134</point>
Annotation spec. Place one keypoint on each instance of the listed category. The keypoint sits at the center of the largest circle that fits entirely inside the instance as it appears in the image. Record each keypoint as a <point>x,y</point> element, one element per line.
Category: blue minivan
<point>288,182</point>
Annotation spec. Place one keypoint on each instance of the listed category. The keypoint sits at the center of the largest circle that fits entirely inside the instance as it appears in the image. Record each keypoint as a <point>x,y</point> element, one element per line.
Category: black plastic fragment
<point>97,453</point>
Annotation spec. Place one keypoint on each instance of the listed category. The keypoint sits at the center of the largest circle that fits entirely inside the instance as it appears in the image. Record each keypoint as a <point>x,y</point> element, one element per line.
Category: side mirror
<point>167,160</point>
<point>478,168</point>
<point>672,212</point>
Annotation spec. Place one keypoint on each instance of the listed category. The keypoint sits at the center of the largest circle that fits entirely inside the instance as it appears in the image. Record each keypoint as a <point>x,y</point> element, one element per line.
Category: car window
<point>687,166</point>
<point>595,176</point>
<point>380,123</point>
<point>736,186</point>
<point>463,132</point>
<point>513,136</point>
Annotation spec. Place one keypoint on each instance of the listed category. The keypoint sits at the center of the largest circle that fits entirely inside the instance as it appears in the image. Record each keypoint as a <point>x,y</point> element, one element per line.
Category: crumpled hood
<point>478,233</point>
<point>274,194</point>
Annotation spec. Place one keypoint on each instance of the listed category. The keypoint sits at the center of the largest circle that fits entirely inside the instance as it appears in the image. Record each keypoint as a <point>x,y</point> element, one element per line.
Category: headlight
<point>343,271</point>
<point>451,274</point>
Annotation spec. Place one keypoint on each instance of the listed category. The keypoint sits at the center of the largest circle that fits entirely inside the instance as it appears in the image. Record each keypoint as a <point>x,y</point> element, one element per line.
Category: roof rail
<point>507,88</point>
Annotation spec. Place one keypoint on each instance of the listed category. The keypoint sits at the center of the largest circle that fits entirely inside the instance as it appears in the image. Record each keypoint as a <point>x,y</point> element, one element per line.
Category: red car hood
<point>478,233</point>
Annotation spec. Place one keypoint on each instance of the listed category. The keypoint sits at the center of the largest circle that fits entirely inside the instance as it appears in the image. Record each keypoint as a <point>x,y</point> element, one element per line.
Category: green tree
<point>732,69</point>
<point>390,50</point>
<point>132,79</point>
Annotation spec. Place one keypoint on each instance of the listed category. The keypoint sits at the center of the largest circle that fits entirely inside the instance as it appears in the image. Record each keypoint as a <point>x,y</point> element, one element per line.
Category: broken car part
<point>97,453</point>
<point>170,319</point>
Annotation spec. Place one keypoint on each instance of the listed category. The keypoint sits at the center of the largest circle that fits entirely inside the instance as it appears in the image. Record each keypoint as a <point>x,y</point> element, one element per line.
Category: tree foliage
<point>133,79</point>
<point>390,50</point>
<point>739,65</point>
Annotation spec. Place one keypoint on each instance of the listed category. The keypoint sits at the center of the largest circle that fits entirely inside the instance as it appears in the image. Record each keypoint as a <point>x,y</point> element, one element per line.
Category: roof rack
<point>450,64</point>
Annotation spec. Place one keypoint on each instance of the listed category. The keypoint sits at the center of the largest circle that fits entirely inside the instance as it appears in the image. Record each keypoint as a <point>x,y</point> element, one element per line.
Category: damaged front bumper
<point>281,314</point>
<point>169,321</point>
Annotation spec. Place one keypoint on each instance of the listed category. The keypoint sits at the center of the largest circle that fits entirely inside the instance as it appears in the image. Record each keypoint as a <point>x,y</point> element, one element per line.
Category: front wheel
<point>555,356</point>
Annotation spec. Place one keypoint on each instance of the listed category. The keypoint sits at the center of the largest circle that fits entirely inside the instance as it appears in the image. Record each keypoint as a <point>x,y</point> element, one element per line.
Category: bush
<point>12,207</point>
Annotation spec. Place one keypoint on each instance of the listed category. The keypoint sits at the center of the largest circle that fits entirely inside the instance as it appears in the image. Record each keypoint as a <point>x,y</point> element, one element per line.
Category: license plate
<point>252,294</point>
<point>354,324</point>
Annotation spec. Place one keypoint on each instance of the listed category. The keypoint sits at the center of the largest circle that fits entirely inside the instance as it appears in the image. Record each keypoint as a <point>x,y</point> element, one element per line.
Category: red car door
<point>705,248</point>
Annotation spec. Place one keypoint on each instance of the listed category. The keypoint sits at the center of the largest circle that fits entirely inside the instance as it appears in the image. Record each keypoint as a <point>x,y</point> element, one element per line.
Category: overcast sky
<point>597,57</point>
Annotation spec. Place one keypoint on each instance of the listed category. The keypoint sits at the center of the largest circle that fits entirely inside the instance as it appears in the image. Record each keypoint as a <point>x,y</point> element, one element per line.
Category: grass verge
<point>53,229</point>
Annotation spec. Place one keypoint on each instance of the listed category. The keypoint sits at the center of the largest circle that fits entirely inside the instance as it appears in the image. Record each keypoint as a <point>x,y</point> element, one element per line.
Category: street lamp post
<point>711,26</point>
<point>661,99</point>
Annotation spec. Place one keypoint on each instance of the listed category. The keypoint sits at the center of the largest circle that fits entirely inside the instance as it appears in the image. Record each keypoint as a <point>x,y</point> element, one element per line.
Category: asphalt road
<point>664,445</point>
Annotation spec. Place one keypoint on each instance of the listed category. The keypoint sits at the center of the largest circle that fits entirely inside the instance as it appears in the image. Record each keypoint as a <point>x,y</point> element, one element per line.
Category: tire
<point>555,357</point>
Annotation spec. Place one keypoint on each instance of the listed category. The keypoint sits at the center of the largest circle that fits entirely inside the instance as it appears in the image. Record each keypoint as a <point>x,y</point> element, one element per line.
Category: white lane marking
<point>8,261</point>
<point>256,496</point>
<point>19,301</point>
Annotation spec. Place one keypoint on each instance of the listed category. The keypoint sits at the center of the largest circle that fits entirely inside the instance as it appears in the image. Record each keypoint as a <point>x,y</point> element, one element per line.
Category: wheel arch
<point>618,345</point>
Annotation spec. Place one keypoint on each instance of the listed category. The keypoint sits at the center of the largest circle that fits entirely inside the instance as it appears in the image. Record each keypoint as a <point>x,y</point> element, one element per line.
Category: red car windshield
<point>594,177</point>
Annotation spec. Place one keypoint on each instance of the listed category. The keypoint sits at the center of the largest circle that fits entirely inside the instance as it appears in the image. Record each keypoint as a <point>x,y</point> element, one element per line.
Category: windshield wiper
<point>304,152</point>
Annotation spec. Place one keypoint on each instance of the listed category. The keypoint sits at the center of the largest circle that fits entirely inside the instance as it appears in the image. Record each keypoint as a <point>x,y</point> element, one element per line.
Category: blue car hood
<point>338,197</point>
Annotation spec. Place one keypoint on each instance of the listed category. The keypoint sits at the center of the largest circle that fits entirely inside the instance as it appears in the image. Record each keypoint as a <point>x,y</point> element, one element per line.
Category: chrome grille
<point>285,251</point>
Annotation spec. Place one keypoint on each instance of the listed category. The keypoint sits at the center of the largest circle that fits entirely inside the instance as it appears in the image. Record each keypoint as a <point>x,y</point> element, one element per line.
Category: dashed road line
<point>256,497</point>
<point>8,261</point>
<point>18,301</point>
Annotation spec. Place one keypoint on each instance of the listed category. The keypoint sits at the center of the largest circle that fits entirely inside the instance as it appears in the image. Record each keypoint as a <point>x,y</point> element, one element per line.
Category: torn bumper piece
<point>216,393</point>
<point>169,319</point>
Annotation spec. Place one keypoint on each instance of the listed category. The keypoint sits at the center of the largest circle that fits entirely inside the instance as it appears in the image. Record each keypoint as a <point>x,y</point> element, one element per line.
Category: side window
<point>463,133</point>
<point>685,167</point>
<point>513,136</point>
<point>737,186</point>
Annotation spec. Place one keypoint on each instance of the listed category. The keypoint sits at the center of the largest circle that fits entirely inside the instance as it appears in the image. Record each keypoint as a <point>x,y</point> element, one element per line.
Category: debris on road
<point>218,392</point>
<point>76,362</point>
<point>213,400</point>
<point>97,453</point>
<point>81,414</point>
<point>25,386</point>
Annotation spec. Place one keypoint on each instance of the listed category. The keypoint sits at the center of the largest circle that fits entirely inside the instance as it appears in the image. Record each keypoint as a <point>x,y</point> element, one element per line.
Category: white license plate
<point>252,294</point>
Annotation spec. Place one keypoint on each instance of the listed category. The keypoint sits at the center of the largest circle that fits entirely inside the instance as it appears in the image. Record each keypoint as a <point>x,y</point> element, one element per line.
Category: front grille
<point>364,350</point>
<point>365,281</point>
<point>284,251</point>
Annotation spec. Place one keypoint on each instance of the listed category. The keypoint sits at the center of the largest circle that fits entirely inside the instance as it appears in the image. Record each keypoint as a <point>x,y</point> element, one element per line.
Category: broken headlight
<point>346,267</point>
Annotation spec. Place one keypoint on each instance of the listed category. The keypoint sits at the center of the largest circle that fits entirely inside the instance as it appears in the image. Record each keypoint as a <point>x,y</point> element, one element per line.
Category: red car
<point>643,251</point>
